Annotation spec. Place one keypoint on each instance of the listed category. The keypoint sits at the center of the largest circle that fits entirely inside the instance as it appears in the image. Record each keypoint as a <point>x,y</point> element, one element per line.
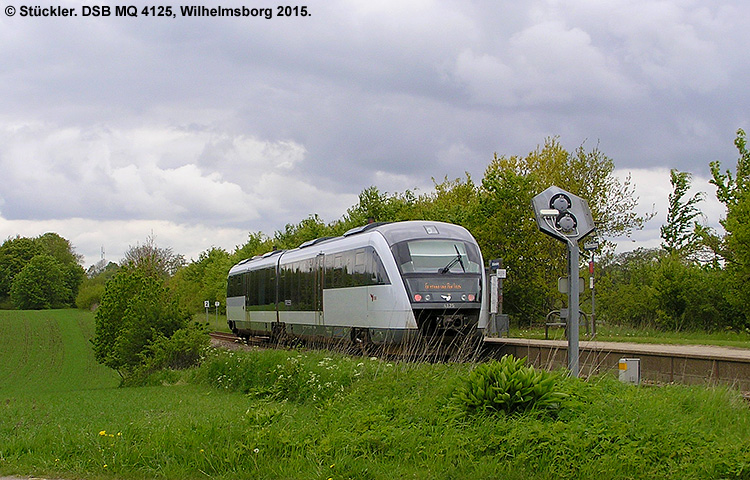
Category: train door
<point>318,269</point>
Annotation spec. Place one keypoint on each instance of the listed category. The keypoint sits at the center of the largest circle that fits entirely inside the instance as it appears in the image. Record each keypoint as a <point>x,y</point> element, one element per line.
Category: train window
<point>359,261</point>
<point>297,286</point>
<point>232,290</point>
<point>430,256</point>
<point>355,268</point>
<point>259,287</point>
<point>377,270</point>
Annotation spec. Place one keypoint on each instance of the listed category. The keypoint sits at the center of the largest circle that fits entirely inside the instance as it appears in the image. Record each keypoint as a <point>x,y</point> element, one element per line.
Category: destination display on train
<point>443,290</point>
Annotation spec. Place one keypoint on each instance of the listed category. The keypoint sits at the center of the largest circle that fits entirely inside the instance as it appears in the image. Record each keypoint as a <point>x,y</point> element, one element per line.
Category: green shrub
<point>182,350</point>
<point>508,386</point>
<point>89,296</point>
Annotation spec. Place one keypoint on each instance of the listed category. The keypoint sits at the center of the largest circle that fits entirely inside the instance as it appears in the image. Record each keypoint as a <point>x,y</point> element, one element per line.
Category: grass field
<point>320,415</point>
<point>49,351</point>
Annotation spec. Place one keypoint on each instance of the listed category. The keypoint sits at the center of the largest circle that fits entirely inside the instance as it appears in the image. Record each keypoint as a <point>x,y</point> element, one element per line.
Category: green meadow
<point>296,414</point>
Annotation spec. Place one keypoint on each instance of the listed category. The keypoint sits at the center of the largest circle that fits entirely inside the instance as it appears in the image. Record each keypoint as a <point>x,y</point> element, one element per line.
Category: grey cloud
<point>253,123</point>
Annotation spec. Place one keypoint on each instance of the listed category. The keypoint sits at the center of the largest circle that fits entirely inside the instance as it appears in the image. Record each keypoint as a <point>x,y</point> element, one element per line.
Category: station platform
<point>664,363</point>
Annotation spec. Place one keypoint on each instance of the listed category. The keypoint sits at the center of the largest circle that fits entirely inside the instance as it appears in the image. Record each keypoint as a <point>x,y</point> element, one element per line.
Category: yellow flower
<point>102,433</point>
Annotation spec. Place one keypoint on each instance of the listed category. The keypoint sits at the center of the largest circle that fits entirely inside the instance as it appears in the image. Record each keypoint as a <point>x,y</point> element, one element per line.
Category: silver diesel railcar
<point>382,284</point>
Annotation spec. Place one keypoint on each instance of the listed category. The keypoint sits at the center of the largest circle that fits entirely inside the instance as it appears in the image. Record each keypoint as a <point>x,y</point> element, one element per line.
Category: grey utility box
<point>630,370</point>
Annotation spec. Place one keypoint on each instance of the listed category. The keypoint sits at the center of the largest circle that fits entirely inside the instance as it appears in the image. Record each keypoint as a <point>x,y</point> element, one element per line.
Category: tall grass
<point>293,414</point>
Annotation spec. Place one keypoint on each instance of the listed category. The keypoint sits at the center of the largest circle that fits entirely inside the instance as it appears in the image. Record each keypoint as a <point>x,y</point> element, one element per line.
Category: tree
<point>681,234</point>
<point>58,247</point>
<point>15,253</point>
<point>152,259</point>
<point>508,231</point>
<point>92,289</point>
<point>63,251</point>
<point>203,279</point>
<point>656,289</point>
<point>257,244</point>
<point>136,310</point>
<point>731,188</point>
<point>453,201</point>
<point>734,192</point>
<point>506,227</point>
<point>103,268</point>
<point>625,288</point>
<point>308,229</point>
<point>377,206</point>
<point>40,285</point>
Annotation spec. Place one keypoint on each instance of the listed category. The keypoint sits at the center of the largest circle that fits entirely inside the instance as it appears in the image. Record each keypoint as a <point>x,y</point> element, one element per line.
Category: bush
<point>89,296</point>
<point>507,387</point>
<point>164,355</point>
<point>182,350</point>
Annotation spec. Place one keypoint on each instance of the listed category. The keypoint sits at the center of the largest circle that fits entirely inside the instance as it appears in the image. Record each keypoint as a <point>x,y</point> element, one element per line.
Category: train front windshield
<point>437,256</point>
<point>440,273</point>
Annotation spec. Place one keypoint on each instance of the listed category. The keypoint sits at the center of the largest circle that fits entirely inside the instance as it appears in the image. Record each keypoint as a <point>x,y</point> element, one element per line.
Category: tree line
<point>39,273</point>
<point>695,280</point>
<point>698,278</point>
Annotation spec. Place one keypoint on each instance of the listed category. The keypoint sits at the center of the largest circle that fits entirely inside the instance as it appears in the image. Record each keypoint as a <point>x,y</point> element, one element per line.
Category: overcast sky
<point>200,130</point>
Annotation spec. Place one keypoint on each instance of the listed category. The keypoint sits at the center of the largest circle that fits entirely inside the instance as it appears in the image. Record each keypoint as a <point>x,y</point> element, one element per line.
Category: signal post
<point>567,218</point>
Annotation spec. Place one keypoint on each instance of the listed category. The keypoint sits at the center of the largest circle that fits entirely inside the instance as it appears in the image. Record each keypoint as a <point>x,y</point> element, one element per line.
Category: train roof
<point>421,229</point>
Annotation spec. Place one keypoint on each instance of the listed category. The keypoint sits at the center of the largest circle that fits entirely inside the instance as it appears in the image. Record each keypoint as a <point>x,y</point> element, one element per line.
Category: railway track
<point>224,338</point>
<point>428,353</point>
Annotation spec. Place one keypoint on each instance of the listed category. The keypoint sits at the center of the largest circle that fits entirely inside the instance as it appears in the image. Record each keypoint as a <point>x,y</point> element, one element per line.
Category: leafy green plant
<point>508,386</point>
